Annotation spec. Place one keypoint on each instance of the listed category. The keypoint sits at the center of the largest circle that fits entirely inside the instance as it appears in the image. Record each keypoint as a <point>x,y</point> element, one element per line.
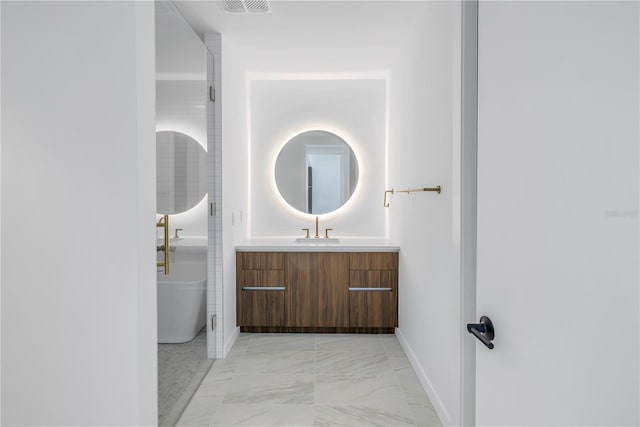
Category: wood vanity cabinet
<point>317,291</point>
<point>260,288</point>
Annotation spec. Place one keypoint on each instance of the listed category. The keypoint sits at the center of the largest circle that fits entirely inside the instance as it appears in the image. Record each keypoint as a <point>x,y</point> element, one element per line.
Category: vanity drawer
<point>374,261</point>
<point>261,308</point>
<point>372,279</point>
<point>373,309</point>
<point>261,260</point>
<point>262,278</point>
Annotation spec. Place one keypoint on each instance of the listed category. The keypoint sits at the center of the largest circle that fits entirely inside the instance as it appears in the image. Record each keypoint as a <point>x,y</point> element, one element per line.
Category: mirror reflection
<point>181,174</point>
<point>316,172</point>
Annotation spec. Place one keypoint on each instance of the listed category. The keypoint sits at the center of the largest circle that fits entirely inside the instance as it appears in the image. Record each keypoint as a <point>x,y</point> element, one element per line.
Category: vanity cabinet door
<point>260,288</point>
<point>373,290</point>
<point>317,294</point>
<point>371,309</point>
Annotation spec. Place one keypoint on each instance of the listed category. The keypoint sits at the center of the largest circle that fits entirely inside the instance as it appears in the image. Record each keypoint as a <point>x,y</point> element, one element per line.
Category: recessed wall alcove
<point>354,109</point>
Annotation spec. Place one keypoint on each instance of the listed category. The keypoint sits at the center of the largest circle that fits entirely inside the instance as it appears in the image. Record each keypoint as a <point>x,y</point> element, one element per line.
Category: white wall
<point>233,175</point>
<point>78,210</point>
<point>0,216</point>
<point>179,50</point>
<point>355,110</point>
<point>424,152</point>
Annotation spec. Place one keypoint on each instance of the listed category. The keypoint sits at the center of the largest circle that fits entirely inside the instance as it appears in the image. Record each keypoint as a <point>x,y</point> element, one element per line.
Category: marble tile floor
<point>181,369</point>
<point>311,380</point>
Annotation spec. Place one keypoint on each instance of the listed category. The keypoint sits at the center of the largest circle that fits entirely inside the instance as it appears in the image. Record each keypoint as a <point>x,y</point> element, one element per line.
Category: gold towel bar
<point>437,189</point>
<point>164,223</point>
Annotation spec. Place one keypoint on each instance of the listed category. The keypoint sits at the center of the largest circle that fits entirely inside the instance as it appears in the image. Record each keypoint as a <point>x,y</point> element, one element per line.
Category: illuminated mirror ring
<point>181,172</point>
<point>316,172</point>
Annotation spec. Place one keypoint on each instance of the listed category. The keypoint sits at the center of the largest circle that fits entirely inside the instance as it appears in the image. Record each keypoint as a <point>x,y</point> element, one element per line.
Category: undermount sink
<point>313,241</point>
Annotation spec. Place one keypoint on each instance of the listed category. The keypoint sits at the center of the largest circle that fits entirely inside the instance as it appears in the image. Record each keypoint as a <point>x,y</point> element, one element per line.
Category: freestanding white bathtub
<point>182,301</point>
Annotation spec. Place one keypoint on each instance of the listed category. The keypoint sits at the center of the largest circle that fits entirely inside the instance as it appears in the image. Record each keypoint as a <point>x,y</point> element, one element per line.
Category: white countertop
<point>346,244</point>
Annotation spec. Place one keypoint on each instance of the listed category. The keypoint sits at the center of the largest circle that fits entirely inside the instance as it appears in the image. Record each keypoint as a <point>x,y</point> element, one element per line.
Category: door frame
<point>468,203</point>
<point>215,301</point>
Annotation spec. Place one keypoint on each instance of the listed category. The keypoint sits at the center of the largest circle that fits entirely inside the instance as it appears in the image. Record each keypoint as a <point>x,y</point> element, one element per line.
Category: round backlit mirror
<point>181,172</point>
<point>316,172</point>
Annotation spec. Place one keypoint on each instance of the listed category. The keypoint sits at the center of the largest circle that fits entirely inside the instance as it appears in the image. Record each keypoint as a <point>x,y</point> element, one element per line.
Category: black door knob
<point>483,331</point>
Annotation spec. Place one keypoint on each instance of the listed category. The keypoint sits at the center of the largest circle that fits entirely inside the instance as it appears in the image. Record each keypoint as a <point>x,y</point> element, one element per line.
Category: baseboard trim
<point>424,380</point>
<point>231,341</point>
<point>314,330</point>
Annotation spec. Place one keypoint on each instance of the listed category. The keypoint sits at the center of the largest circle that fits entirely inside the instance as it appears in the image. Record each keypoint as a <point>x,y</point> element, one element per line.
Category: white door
<point>558,258</point>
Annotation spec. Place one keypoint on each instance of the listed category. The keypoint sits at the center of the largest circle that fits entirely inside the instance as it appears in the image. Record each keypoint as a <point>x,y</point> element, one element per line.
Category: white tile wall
<point>215,339</point>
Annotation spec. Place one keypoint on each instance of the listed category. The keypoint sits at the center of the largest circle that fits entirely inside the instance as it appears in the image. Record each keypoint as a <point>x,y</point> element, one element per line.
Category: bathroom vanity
<point>317,288</point>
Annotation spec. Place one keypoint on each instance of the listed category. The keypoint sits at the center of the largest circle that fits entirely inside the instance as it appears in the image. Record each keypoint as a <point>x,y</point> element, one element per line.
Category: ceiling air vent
<point>245,6</point>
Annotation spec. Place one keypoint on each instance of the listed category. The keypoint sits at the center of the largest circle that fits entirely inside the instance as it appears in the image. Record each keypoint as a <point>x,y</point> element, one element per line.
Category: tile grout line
<point>397,380</point>
<point>388,352</point>
<point>315,373</point>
